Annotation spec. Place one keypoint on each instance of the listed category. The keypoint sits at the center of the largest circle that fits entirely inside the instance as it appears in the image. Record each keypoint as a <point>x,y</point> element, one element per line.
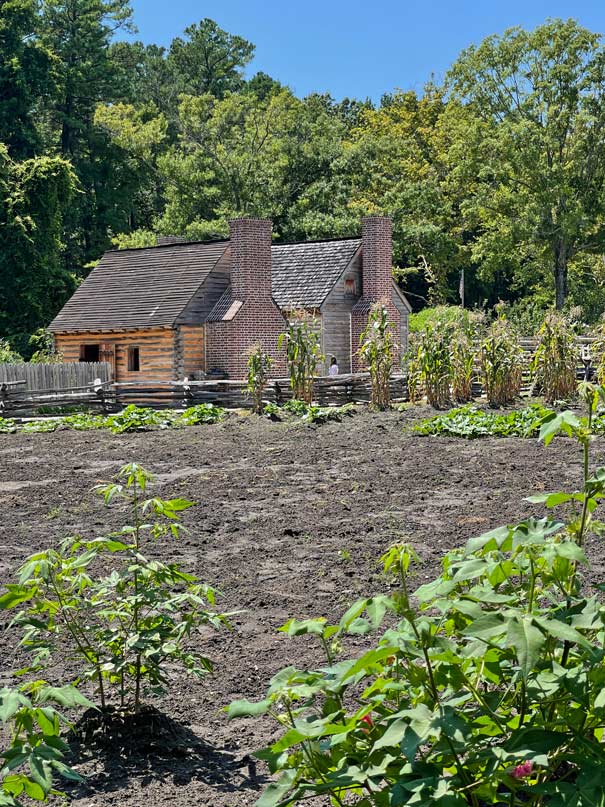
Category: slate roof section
<point>139,288</point>
<point>304,274</point>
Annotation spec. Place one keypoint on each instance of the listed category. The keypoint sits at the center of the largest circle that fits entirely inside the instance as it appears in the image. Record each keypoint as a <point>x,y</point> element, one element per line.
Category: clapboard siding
<point>157,349</point>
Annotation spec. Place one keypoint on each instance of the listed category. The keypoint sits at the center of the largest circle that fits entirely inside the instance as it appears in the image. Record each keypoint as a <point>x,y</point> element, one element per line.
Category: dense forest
<point>105,140</point>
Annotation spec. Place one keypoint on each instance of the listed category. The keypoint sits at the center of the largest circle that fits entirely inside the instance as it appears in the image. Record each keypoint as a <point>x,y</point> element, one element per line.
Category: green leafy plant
<point>486,685</point>
<point>430,368</point>
<point>555,363</point>
<point>202,413</point>
<point>501,363</point>
<point>303,353</point>
<point>126,625</point>
<point>377,348</point>
<point>464,356</point>
<point>34,754</point>
<point>7,354</point>
<point>259,367</point>
<point>138,418</point>
<point>43,344</point>
<point>470,422</point>
<point>7,426</point>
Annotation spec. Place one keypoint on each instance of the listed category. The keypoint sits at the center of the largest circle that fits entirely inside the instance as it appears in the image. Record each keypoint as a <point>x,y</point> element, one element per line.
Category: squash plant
<point>485,686</point>
<point>128,618</point>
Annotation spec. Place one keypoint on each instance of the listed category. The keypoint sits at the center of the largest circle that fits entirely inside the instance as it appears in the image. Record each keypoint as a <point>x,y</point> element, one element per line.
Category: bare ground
<point>289,522</point>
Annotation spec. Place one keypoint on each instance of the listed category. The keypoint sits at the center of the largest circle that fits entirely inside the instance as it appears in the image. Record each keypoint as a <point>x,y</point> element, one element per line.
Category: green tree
<point>535,138</point>
<point>209,60</point>
<point>33,280</point>
<point>26,77</point>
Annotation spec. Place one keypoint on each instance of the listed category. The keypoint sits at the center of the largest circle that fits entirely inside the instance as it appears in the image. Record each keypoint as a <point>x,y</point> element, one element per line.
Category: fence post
<point>278,394</point>
<point>3,398</point>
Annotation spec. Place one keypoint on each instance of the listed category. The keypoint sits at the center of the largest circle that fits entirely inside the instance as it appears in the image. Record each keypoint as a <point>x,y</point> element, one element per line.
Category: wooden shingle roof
<point>304,274</point>
<point>139,288</point>
<point>149,288</point>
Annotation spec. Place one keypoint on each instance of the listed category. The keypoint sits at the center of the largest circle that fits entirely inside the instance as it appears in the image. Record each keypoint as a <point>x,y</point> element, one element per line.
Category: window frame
<point>133,358</point>
<point>84,346</point>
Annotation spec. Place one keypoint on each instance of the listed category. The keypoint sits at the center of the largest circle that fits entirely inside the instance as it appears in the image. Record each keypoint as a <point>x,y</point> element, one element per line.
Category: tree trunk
<point>560,270</point>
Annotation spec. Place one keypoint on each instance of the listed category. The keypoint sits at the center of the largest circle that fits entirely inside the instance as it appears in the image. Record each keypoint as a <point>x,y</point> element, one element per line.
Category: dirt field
<point>289,521</point>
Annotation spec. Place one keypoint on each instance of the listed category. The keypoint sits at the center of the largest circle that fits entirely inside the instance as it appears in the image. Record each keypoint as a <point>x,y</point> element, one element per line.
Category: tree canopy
<point>108,141</point>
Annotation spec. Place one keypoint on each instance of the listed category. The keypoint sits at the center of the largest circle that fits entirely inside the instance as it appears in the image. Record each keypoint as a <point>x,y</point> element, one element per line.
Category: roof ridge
<point>180,244</point>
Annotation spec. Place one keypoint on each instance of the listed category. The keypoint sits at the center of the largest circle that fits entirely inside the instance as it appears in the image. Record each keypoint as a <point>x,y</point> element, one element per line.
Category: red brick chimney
<point>248,315</point>
<point>377,279</point>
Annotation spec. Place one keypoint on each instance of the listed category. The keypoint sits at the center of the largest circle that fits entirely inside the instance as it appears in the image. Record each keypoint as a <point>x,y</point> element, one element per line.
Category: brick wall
<point>377,281</point>
<point>259,319</point>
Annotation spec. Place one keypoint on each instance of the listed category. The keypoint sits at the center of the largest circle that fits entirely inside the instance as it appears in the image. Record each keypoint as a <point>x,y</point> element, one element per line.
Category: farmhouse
<point>186,309</point>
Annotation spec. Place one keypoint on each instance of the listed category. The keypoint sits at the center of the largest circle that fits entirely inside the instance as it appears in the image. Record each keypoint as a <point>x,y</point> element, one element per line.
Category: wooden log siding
<point>156,351</point>
<point>190,351</point>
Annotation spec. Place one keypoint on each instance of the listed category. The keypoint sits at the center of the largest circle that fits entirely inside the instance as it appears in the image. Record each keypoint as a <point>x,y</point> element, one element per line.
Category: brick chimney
<point>251,259</point>
<point>377,248</point>
<point>247,314</point>
<point>377,279</point>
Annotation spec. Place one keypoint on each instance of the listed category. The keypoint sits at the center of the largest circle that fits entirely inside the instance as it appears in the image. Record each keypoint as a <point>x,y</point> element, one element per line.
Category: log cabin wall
<point>190,350</point>
<point>157,351</point>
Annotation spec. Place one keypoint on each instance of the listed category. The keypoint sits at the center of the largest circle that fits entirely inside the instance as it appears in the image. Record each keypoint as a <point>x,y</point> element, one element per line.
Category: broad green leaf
<point>527,641</point>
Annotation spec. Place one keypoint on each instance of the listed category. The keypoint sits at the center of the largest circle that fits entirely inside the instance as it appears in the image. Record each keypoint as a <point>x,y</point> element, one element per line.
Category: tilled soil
<point>289,521</point>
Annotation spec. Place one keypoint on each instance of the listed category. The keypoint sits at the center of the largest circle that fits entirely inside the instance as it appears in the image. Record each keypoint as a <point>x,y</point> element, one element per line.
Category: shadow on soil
<point>111,749</point>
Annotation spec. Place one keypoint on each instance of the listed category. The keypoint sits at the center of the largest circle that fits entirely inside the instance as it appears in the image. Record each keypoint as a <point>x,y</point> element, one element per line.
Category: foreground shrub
<point>555,362</point>
<point>501,363</point>
<point>127,619</point>
<point>34,754</point>
<point>303,353</point>
<point>377,348</point>
<point>470,422</point>
<point>486,687</point>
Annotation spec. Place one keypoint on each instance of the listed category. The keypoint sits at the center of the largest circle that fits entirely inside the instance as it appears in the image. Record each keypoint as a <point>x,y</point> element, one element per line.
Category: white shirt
<point>333,369</point>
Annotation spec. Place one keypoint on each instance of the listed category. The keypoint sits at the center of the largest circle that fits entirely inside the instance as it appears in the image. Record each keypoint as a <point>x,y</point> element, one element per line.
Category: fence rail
<point>15,399</point>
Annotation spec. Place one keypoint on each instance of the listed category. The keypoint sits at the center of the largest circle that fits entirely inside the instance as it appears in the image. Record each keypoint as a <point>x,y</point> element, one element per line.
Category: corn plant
<point>554,366</point>
<point>486,687</point>
<point>501,363</point>
<point>303,354</point>
<point>34,753</point>
<point>463,363</point>
<point>259,367</point>
<point>376,351</point>
<point>430,369</point>
<point>127,625</point>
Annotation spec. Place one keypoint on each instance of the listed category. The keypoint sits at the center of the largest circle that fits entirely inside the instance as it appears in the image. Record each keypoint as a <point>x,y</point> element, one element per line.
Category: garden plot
<point>289,522</point>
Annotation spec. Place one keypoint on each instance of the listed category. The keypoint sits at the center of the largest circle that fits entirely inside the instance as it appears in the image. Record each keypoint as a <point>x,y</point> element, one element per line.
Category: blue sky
<point>358,48</point>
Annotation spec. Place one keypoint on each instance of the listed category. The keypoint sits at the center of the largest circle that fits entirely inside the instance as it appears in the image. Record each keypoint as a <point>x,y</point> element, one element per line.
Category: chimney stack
<point>251,259</point>
<point>377,246</point>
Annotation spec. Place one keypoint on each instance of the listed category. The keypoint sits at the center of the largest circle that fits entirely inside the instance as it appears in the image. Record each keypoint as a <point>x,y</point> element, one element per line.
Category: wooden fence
<point>15,399</point>
<point>55,377</point>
